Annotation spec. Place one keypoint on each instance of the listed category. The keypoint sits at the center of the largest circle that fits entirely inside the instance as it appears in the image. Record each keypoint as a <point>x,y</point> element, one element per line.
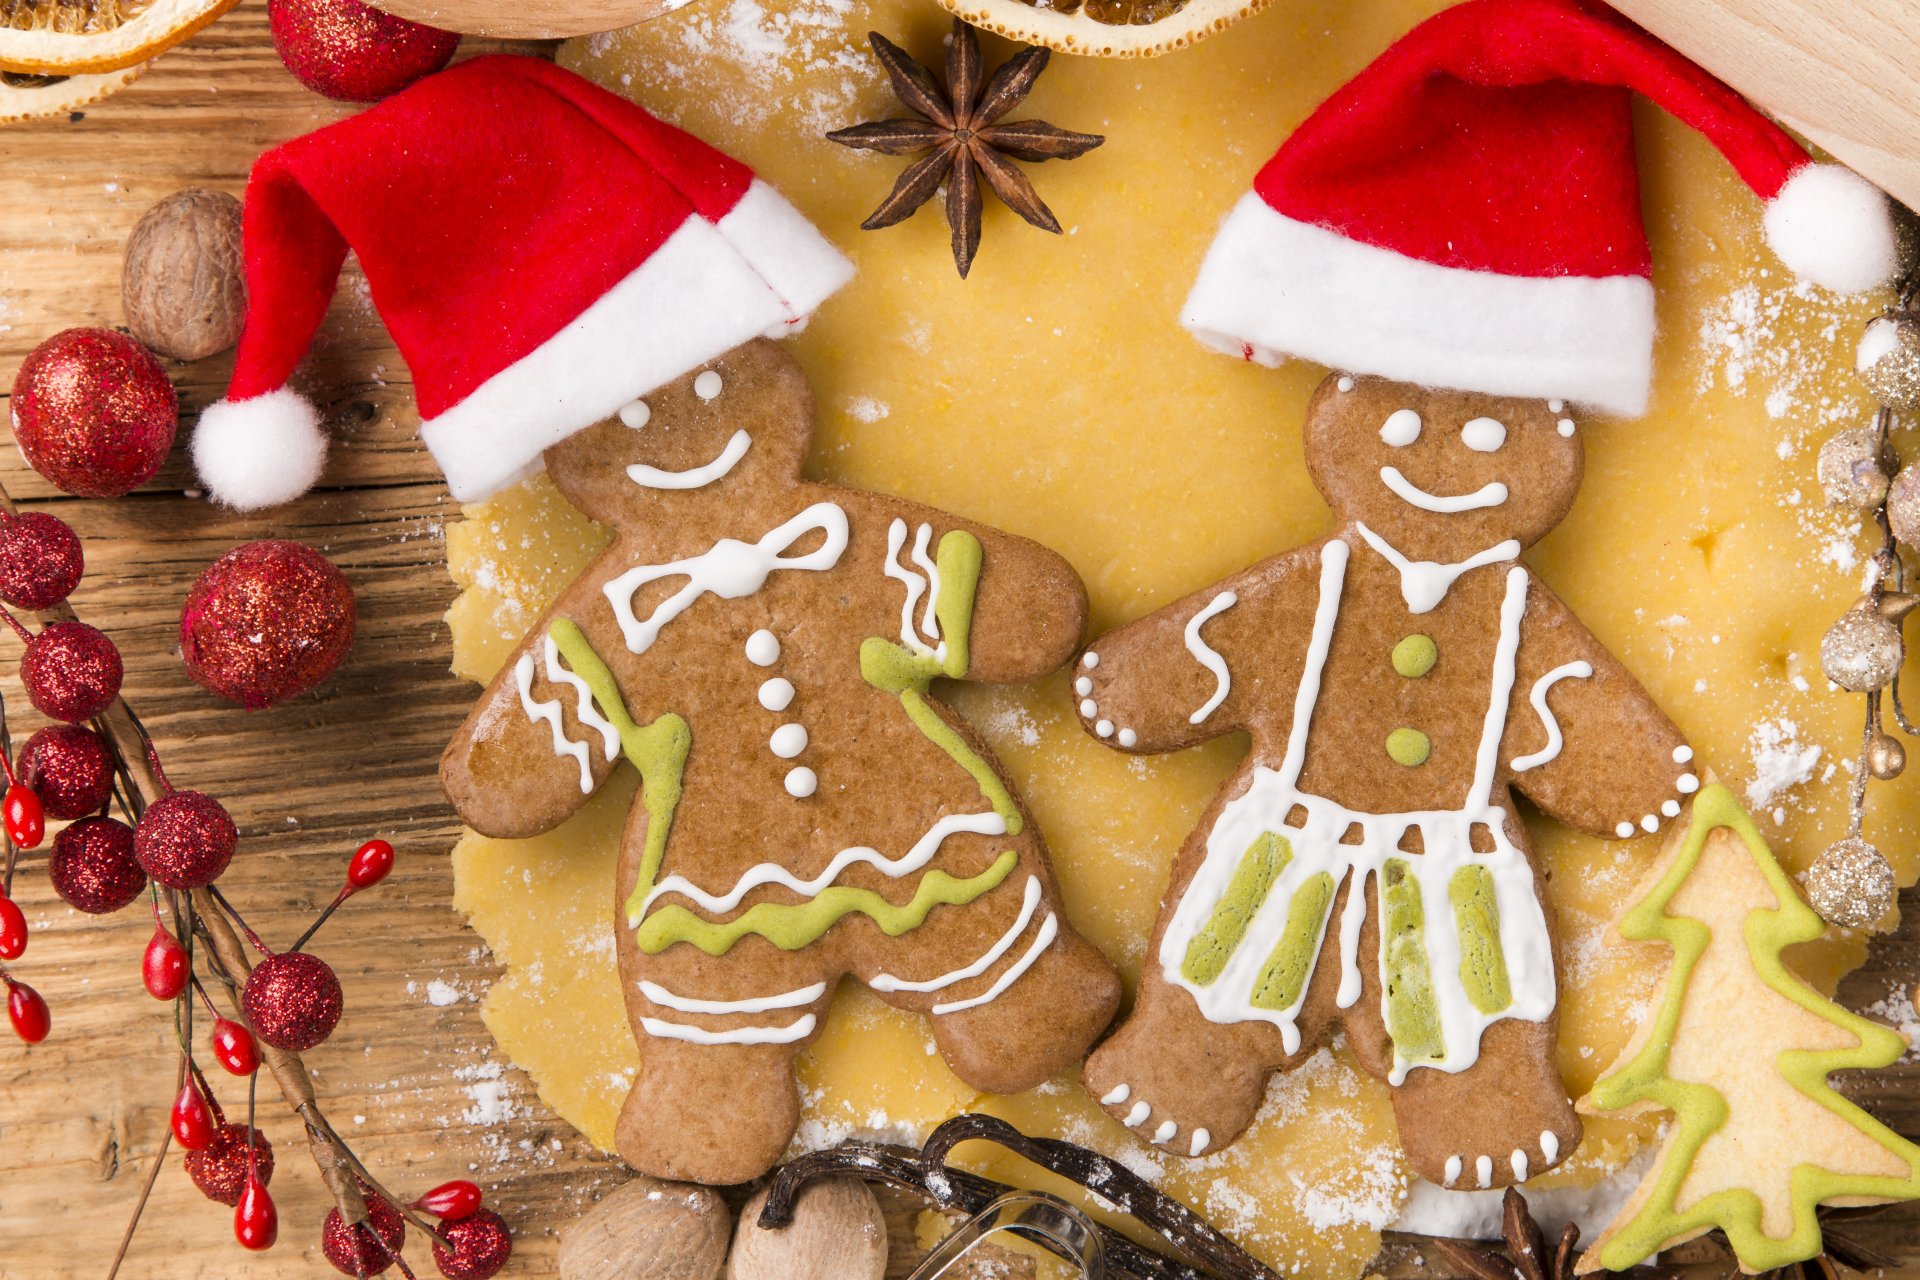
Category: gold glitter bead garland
<point>1851,884</point>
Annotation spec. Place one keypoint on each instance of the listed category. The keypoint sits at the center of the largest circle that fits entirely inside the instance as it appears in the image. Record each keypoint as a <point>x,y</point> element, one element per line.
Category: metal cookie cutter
<point>1031,1215</point>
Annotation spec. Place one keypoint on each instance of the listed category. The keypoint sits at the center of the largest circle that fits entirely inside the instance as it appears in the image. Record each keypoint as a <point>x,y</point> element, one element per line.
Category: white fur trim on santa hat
<point>1833,227</point>
<point>694,299</point>
<point>259,452</point>
<point>1272,287</point>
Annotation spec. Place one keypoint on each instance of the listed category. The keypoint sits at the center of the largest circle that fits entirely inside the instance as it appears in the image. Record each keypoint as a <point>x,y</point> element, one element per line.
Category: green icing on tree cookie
<point>1413,1020</point>
<point>1285,974</point>
<point>1213,946</point>
<point>1701,1110</point>
<point>657,750</point>
<point>796,925</point>
<point>1476,918</point>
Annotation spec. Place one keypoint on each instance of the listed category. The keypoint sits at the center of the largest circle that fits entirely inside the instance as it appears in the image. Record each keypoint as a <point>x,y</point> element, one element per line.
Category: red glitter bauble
<point>219,1169</point>
<point>40,560</point>
<point>93,412</point>
<point>354,1251</point>
<point>352,51</point>
<point>185,840</point>
<point>481,1246</point>
<point>69,768</point>
<point>293,1000</point>
<point>265,621</point>
<point>93,868</point>
<point>72,671</point>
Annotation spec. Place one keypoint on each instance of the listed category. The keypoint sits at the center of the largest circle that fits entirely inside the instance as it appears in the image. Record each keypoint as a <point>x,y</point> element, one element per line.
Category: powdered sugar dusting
<point>1781,761</point>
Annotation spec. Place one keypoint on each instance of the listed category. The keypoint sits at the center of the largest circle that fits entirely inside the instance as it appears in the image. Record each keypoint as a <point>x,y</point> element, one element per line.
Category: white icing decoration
<point>1270,799</point>
<point>1425,583</point>
<point>1345,383</point>
<point>788,741</point>
<point>697,477</point>
<point>1519,1162</point>
<point>1567,671</point>
<point>1401,428</point>
<point>661,1029</point>
<point>1682,754</point>
<point>1128,738</point>
<point>1483,1169</point>
<point>730,570</point>
<point>1670,808</point>
<point>1565,428</point>
<point>1117,1095</point>
<point>1207,657</point>
<point>758,1004</point>
<point>763,648</point>
<point>1200,1140</point>
<point>987,959</point>
<point>1624,830</point>
<point>1083,686</point>
<point>776,694</point>
<point>1487,495</point>
<point>1104,728</point>
<point>549,711</point>
<point>983,824</point>
<point>1136,1116</point>
<point>921,581</point>
<point>707,386</point>
<point>1549,1146</point>
<point>1453,1170</point>
<point>1088,707</point>
<point>1687,785</point>
<point>801,783</point>
<point>1049,930</point>
<point>1089,659</point>
<point>1484,435</point>
<point>1165,1132</point>
<point>1556,406</point>
<point>1649,824</point>
<point>636,414</point>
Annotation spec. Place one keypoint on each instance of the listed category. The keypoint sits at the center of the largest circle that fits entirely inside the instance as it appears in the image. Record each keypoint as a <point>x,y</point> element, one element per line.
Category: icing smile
<point>1489,495</point>
<point>698,477</point>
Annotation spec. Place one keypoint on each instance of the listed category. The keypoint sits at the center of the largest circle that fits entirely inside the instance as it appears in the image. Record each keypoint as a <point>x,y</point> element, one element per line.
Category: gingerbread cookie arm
<point>1584,740</point>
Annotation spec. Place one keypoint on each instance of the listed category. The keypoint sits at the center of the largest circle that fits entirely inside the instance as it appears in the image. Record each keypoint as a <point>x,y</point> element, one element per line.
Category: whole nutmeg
<point>837,1233</point>
<point>1862,651</point>
<point>1851,884</point>
<point>1888,359</point>
<point>649,1230</point>
<point>181,283</point>
<point>1853,469</point>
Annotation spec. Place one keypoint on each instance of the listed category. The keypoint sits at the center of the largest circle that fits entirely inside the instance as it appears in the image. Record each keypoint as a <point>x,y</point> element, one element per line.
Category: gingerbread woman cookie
<point>761,649</point>
<point>1366,868</point>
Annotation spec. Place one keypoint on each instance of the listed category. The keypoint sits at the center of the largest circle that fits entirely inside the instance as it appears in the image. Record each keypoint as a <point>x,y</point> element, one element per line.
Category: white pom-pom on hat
<point>1833,227</point>
<point>261,451</point>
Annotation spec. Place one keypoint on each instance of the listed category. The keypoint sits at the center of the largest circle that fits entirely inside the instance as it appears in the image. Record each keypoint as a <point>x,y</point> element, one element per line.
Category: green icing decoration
<point>792,926</point>
<point>1413,1020</point>
<point>1414,656</point>
<point>1286,972</point>
<point>1409,747</point>
<point>657,750</point>
<point>897,669</point>
<point>1476,918</point>
<point>1214,945</point>
<point>1700,1110</point>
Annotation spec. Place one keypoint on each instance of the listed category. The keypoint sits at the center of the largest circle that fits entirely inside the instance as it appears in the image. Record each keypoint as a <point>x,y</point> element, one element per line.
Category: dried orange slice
<point>28,97</point>
<point>81,37</point>
<point>1104,28</point>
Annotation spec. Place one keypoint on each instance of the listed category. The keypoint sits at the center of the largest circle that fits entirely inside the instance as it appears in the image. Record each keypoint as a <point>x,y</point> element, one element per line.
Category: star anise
<point>1527,1257</point>
<point>959,127</point>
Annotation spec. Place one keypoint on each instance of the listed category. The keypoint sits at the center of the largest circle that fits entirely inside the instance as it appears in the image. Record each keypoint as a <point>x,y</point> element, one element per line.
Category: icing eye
<point>636,414</point>
<point>1483,435</point>
<point>707,385</point>
<point>1402,428</point>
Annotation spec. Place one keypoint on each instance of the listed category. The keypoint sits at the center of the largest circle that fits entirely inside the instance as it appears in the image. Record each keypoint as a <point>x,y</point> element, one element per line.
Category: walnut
<point>181,284</point>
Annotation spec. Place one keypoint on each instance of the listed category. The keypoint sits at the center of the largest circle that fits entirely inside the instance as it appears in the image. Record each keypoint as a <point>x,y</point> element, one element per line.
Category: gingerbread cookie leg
<point>1453,1138</point>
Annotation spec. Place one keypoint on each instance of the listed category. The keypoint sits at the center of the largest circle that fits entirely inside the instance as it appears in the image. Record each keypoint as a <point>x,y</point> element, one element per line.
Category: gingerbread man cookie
<point>761,648</point>
<point>1366,868</point>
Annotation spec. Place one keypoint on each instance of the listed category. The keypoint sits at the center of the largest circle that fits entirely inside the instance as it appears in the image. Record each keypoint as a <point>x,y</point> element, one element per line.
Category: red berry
<point>233,1047</point>
<point>366,1249</point>
<point>371,863</point>
<point>40,560</point>
<point>23,817</point>
<point>164,966</point>
<point>192,1120</point>
<point>256,1223</point>
<point>450,1200</point>
<point>93,412</point>
<point>92,866</point>
<point>352,51</point>
<point>185,840</point>
<point>28,1012</point>
<point>72,671</point>
<point>13,929</point>
<point>481,1246</point>
<point>219,1169</point>
<point>266,621</point>
<point>293,1001</point>
<point>69,768</point>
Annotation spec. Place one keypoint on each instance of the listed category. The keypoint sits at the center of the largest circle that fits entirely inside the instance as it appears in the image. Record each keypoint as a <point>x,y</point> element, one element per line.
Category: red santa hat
<point>543,253</point>
<point>1465,212</point>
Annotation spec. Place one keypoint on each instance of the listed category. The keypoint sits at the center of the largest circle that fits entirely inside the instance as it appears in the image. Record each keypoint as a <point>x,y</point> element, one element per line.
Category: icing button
<point>1671,808</point>
<point>1089,660</point>
<point>1687,785</point>
<point>1089,707</point>
<point>788,741</point>
<point>776,694</point>
<point>1128,738</point>
<point>1083,686</point>
<point>763,648</point>
<point>1624,830</point>
<point>1409,747</point>
<point>1415,655</point>
<point>1104,728</point>
<point>1650,824</point>
<point>802,782</point>
<point>1682,754</point>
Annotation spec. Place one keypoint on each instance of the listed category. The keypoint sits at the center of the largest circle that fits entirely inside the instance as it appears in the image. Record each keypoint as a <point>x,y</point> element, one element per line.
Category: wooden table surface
<point>411,1075</point>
